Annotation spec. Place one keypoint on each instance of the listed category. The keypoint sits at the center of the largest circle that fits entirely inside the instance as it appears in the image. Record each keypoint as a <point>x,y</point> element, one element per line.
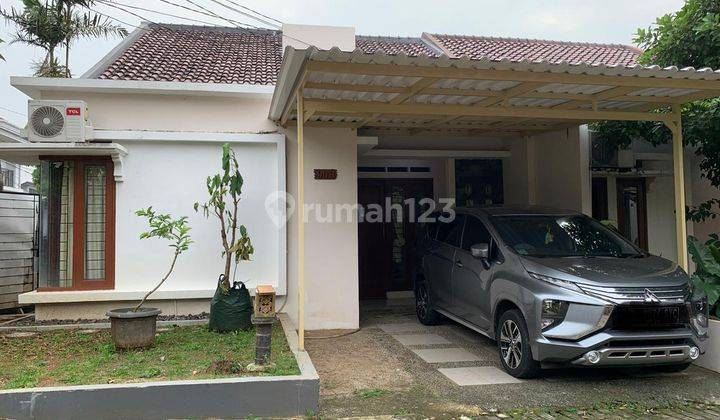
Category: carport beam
<point>301,220</point>
<point>675,126</point>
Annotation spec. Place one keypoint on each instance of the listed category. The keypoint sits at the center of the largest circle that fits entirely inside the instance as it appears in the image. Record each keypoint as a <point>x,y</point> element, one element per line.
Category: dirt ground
<point>368,373</point>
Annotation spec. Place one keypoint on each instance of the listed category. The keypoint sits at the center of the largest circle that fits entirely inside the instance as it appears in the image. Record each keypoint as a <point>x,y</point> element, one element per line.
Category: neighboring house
<point>482,120</point>
<point>15,178</point>
<point>633,189</point>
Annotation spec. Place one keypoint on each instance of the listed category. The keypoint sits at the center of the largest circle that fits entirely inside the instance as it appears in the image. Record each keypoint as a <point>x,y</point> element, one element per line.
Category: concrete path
<point>440,351</point>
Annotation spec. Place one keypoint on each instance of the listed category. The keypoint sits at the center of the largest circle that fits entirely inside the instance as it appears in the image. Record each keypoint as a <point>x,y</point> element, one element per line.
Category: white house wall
<point>331,249</point>
<point>562,175</point>
<point>170,175</point>
<point>661,217</point>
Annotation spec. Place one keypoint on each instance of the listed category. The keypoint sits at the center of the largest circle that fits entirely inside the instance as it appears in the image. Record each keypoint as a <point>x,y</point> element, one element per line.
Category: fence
<point>18,246</point>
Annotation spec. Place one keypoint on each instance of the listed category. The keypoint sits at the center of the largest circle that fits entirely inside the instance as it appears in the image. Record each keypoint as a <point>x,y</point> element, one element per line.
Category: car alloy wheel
<point>511,344</point>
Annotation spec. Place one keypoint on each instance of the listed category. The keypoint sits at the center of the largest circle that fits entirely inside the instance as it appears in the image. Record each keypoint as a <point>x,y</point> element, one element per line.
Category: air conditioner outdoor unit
<point>58,121</point>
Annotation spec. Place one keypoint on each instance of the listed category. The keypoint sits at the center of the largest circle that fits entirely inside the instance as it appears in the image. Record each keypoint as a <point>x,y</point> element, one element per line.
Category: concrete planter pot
<point>711,358</point>
<point>133,330</point>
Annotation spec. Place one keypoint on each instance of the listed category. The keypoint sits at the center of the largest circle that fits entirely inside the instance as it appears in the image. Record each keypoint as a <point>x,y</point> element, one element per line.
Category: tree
<point>56,24</point>
<point>84,25</point>
<point>38,25</point>
<point>163,226</point>
<point>688,38</point>
<point>1,56</point>
<point>224,190</point>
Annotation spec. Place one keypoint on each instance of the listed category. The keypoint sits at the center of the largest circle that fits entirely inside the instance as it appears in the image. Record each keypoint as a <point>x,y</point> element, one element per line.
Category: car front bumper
<point>622,348</point>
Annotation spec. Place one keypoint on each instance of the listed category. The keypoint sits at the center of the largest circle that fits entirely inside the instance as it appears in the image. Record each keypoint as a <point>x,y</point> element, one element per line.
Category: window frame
<point>79,282</point>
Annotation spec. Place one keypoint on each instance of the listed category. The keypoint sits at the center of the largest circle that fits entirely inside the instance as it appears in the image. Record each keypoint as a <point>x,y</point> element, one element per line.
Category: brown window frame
<point>79,282</point>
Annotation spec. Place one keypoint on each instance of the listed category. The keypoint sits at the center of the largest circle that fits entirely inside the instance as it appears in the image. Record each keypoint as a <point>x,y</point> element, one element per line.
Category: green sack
<point>231,311</point>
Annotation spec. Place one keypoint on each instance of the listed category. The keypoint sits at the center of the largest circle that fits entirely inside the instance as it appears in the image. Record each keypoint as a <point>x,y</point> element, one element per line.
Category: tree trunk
<point>172,265</point>
<point>67,44</point>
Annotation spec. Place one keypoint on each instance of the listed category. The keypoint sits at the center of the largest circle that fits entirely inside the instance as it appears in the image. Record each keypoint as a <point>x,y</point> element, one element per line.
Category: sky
<point>604,21</point>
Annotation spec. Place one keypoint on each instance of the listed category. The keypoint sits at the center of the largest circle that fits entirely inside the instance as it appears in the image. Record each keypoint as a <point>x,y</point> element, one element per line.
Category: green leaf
<point>703,257</point>
<point>711,289</point>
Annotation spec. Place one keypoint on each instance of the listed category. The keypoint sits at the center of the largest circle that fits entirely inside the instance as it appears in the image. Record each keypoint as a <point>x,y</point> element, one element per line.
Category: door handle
<point>459,264</point>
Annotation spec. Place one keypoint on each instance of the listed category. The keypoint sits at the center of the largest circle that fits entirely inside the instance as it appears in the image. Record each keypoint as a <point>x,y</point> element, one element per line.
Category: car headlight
<point>553,313</point>
<point>699,312</point>
<point>557,282</point>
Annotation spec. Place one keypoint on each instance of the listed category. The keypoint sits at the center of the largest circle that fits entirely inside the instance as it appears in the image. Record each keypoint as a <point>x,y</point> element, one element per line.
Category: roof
<point>399,92</point>
<point>10,133</point>
<point>183,53</point>
<point>390,45</point>
<point>202,54</point>
<point>514,49</point>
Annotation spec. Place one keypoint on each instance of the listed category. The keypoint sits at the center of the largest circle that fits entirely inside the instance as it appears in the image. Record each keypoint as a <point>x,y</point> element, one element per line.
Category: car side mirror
<point>480,251</point>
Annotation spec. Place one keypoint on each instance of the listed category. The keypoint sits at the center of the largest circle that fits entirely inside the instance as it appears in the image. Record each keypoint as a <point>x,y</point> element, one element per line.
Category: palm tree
<point>84,25</point>
<point>50,24</point>
<point>1,56</point>
<point>39,26</point>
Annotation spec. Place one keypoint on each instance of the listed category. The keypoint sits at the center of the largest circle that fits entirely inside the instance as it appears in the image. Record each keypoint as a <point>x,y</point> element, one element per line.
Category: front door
<point>632,210</point>
<point>385,250</point>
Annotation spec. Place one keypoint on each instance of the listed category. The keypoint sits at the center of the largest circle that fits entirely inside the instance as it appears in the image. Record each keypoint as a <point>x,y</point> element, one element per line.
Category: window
<point>77,224</point>
<point>478,182</point>
<point>450,232</point>
<point>475,233</point>
<point>8,177</point>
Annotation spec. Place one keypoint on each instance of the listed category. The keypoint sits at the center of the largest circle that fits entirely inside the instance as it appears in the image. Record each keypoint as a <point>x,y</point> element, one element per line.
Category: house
<point>334,119</point>
<point>15,178</point>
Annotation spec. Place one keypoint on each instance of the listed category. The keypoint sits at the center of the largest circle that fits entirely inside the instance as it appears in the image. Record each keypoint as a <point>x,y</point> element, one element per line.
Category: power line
<point>277,27</point>
<point>254,11</point>
<point>246,14</point>
<point>119,21</point>
<point>142,18</point>
<point>158,12</point>
<point>193,10</point>
<point>234,22</point>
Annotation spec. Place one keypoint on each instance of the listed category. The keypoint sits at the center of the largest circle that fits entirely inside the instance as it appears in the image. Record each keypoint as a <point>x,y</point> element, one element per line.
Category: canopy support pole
<point>675,126</point>
<point>301,219</point>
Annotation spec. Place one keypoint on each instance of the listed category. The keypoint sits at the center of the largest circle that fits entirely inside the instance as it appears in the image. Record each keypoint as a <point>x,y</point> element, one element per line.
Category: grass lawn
<point>72,357</point>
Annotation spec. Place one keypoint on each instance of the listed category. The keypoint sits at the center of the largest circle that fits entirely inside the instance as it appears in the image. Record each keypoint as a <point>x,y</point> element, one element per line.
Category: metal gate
<point>18,246</point>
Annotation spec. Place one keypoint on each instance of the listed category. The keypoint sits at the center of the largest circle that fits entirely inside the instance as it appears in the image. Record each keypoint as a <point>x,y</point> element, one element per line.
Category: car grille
<point>665,294</point>
<point>648,317</point>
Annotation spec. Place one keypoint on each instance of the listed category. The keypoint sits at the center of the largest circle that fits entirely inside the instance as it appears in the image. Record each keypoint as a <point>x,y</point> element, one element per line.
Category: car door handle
<point>459,264</point>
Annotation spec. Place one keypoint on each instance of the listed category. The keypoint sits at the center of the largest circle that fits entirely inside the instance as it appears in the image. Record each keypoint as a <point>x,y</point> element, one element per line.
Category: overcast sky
<point>607,21</point>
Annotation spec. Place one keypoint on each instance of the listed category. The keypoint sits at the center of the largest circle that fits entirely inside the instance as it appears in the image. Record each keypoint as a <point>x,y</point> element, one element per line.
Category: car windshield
<point>562,236</point>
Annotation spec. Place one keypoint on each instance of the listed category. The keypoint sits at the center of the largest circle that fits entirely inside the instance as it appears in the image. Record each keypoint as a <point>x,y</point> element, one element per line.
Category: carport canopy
<point>411,95</point>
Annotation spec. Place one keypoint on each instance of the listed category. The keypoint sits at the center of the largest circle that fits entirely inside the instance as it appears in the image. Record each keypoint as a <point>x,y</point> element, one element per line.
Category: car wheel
<point>514,346</point>
<point>423,307</point>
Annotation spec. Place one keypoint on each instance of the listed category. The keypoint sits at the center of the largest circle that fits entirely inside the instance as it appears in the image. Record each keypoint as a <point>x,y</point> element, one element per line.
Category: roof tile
<point>181,53</point>
<point>410,46</point>
<point>184,53</point>
<point>514,49</point>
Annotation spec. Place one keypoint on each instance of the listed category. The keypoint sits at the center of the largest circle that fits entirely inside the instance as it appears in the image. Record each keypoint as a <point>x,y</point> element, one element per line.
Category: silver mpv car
<point>557,288</point>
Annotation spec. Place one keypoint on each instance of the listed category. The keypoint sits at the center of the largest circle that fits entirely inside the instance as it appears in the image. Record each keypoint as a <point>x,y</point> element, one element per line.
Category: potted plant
<point>135,327</point>
<point>707,278</point>
<point>231,306</point>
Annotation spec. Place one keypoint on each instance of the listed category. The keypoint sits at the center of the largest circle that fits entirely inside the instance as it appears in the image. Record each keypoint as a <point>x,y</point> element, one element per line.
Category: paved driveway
<point>395,366</point>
